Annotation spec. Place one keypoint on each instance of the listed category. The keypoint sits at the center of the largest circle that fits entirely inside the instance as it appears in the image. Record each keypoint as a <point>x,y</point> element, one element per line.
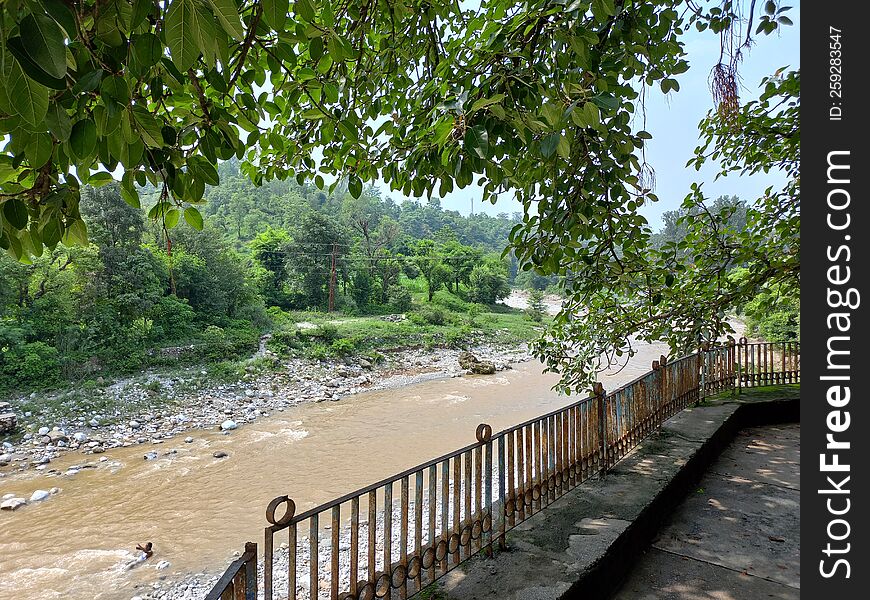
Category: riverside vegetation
<point>141,334</point>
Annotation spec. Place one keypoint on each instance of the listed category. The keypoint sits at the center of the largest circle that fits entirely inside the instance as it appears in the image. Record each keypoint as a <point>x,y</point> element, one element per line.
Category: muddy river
<point>198,509</point>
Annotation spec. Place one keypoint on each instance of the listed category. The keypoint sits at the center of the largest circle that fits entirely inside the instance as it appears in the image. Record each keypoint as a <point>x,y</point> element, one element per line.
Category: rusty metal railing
<point>239,581</point>
<point>393,538</point>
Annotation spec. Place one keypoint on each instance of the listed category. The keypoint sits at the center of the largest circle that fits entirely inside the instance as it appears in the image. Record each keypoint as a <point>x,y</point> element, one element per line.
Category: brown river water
<point>197,509</point>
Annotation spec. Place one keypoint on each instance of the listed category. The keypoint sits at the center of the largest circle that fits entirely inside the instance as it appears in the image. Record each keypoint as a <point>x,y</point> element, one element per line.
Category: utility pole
<point>332,279</point>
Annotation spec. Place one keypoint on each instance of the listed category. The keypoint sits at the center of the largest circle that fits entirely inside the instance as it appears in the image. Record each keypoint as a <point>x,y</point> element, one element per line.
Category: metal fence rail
<point>239,581</point>
<point>393,538</point>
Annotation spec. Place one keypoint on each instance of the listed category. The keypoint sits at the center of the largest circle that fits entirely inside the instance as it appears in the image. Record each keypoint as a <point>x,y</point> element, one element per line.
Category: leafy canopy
<point>423,95</point>
<point>533,97</point>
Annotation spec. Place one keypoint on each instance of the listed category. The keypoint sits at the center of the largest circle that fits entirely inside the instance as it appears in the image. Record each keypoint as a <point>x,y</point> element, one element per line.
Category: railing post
<point>732,365</point>
<point>276,525</point>
<point>663,382</point>
<point>251,572</point>
<point>598,389</point>
<point>702,366</point>
<point>741,349</point>
<point>484,436</point>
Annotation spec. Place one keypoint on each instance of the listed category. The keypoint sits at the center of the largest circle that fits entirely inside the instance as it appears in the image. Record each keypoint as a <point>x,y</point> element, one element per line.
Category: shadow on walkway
<point>737,536</point>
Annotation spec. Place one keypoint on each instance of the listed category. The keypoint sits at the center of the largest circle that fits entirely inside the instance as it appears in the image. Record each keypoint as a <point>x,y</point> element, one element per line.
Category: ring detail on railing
<point>414,566</point>
<point>382,586</point>
<point>428,557</point>
<point>465,535</point>
<point>288,512</point>
<point>487,523</point>
<point>399,576</point>
<point>366,591</point>
<point>476,529</point>
<point>441,550</point>
<point>484,433</point>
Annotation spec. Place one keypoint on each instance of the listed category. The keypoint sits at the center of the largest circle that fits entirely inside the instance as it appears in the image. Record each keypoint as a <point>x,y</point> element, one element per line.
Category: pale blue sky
<point>673,123</point>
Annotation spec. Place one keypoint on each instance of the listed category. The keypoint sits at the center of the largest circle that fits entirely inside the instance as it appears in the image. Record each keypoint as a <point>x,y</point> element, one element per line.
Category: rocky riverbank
<point>152,408</point>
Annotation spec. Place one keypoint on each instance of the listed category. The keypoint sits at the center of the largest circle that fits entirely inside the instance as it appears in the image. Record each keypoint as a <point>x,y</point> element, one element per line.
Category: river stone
<point>365,364</point>
<point>188,440</point>
<point>135,425</point>
<point>43,431</point>
<point>80,437</point>
<point>8,422</point>
<point>219,454</point>
<point>38,496</point>
<point>12,503</point>
<point>229,425</point>
<point>150,455</point>
<point>162,565</point>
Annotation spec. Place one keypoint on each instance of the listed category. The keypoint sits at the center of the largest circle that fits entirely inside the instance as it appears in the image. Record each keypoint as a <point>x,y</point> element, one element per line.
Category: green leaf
<point>170,218</point>
<point>183,33</point>
<point>88,82</point>
<point>27,98</point>
<point>591,114</point>
<point>770,7</point>
<point>228,16</point>
<point>30,68</point>
<point>354,186</point>
<point>39,149</point>
<point>116,89</point>
<point>304,9</point>
<point>484,102</point>
<point>83,138</point>
<point>147,50</point>
<point>477,141</point>
<point>15,212</point>
<point>100,179</point>
<point>275,13</point>
<point>204,169</point>
<point>193,218</point>
<point>58,122</point>
<point>608,101</point>
<point>141,9</point>
<point>51,231</point>
<point>128,190</point>
<point>549,144</point>
<point>443,129</point>
<point>785,21</point>
<point>62,15</point>
<point>148,126</point>
<point>76,234</point>
<point>43,40</point>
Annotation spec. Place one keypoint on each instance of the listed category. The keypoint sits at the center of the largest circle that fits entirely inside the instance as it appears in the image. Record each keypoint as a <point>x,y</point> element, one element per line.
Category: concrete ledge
<point>585,543</point>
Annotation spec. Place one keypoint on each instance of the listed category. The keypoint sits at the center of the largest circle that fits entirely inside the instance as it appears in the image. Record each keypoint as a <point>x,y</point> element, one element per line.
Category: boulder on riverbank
<point>8,420</point>
<point>474,365</point>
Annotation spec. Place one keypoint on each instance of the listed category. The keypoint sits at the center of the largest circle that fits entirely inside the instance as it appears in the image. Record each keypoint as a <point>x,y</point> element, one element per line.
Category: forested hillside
<point>142,284</point>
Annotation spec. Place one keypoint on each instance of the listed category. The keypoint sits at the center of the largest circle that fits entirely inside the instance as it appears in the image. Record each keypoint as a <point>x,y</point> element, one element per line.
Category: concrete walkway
<point>737,536</point>
<point>586,542</point>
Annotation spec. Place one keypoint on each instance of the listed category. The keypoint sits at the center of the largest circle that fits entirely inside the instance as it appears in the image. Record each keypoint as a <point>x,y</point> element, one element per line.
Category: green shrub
<point>473,312</point>
<point>318,351</point>
<point>29,364</point>
<point>449,301</point>
<point>428,314</point>
<point>343,347</point>
<point>282,342</point>
<point>400,299</point>
<point>327,333</point>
